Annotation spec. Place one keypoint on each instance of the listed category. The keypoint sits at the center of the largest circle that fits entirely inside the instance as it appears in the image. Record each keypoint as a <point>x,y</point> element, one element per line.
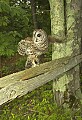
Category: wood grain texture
<point>18,84</point>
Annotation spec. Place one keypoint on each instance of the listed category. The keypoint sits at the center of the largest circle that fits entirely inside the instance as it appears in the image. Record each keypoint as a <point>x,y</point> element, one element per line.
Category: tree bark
<point>33,8</point>
<point>0,66</point>
<point>65,21</point>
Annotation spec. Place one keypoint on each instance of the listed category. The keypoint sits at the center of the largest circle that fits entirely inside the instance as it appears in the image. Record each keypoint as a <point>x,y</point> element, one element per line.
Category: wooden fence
<point>20,83</point>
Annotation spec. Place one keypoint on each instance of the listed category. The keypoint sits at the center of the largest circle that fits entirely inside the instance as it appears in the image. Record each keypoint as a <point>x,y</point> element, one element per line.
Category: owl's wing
<point>23,45</point>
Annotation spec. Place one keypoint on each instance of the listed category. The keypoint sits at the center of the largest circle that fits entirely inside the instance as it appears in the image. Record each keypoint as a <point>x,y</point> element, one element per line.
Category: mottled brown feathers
<point>35,46</point>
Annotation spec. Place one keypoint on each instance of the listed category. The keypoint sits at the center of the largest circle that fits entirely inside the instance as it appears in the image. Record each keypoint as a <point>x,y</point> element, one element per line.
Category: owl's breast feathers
<point>41,47</point>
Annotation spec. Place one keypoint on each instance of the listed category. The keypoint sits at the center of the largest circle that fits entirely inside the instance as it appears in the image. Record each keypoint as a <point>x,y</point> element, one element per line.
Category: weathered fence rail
<point>20,83</point>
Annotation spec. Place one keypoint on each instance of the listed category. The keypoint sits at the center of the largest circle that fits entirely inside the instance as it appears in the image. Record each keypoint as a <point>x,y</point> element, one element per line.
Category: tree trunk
<point>33,8</point>
<point>65,21</point>
<point>0,67</point>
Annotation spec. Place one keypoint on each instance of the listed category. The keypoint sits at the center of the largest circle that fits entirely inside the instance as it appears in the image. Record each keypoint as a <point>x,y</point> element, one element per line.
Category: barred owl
<point>34,47</point>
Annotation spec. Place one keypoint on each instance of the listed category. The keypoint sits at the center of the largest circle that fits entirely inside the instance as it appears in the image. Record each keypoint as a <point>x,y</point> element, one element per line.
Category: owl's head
<point>39,36</point>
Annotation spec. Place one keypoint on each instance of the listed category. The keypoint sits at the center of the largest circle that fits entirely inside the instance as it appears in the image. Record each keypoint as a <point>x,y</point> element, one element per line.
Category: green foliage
<point>4,6</point>
<point>43,15</point>
<point>16,23</point>
<point>20,64</point>
<point>37,105</point>
<point>13,25</point>
<point>6,44</point>
<point>5,70</point>
<point>14,66</point>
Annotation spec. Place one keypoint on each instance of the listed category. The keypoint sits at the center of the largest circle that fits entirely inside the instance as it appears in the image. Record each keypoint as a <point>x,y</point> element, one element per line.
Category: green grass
<point>36,105</point>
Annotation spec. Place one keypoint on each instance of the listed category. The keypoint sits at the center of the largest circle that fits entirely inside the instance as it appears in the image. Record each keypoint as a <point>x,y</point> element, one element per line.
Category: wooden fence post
<point>65,19</point>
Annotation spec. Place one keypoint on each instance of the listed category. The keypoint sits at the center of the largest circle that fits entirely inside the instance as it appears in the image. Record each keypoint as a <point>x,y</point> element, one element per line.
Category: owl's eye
<point>38,35</point>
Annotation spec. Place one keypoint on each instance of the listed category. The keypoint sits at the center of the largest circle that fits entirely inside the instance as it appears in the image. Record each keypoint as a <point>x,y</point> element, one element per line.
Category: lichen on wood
<point>65,20</point>
<point>30,79</point>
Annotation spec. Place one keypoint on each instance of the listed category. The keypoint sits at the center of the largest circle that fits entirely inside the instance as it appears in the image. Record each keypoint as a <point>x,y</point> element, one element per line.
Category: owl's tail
<point>53,39</point>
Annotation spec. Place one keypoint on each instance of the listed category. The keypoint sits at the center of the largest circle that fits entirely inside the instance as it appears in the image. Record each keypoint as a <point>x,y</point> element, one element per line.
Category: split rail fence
<point>20,83</point>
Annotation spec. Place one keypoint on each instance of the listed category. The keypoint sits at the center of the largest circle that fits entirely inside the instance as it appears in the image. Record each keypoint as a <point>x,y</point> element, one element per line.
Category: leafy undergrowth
<point>37,105</point>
